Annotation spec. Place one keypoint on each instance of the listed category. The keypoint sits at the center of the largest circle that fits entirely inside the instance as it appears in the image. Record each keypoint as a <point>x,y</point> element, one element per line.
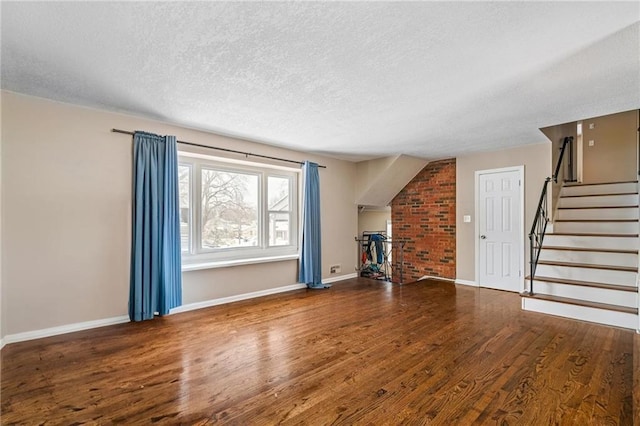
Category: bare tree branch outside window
<point>229,209</point>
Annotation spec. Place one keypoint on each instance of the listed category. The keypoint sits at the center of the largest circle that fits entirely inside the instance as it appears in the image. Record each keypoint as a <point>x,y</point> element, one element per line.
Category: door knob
<point>483,237</point>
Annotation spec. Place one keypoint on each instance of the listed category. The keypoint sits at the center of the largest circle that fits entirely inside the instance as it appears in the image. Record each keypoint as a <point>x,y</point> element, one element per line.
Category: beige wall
<point>613,157</point>
<point>378,181</point>
<point>369,170</point>
<point>537,166</point>
<point>2,333</point>
<point>66,189</point>
<point>373,220</point>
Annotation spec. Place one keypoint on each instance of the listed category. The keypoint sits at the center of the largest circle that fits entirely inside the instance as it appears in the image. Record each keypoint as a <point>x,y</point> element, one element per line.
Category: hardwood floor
<point>362,352</point>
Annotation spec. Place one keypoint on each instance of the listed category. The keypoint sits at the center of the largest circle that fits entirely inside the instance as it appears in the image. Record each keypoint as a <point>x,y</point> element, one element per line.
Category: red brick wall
<point>423,215</point>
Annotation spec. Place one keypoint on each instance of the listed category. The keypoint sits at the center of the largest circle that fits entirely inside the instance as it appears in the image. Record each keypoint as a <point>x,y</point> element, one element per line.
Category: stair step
<point>592,241</point>
<point>611,294</point>
<point>587,272</point>
<point>584,303</point>
<point>618,317</point>
<point>595,226</point>
<point>576,184</point>
<point>598,207</point>
<point>589,265</point>
<point>595,220</point>
<point>600,188</point>
<point>600,195</point>
<point>591,250</point>
<point>613,257</point>
<point>590,234</point>
<point>598,213</point>
<point>584,284</point>
<point>599,200</point>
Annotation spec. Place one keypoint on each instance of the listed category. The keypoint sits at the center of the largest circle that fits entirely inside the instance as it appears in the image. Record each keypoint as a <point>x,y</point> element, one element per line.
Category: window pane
<point>184,177</point>
<point>229,209</point>
<point>279,223</point>
<point>279,229</point>
<point>278,189</point>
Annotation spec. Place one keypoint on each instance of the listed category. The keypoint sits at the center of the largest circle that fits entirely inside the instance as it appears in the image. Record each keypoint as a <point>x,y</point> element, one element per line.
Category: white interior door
<point>500,229</point>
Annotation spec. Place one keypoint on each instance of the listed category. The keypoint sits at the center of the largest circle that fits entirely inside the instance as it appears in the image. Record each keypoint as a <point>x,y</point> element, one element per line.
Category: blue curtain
<point>310,258</point>
<point>156,276</point>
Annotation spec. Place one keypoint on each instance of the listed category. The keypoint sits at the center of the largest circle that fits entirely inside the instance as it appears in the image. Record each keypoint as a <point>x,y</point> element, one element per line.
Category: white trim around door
<point>521,234</point>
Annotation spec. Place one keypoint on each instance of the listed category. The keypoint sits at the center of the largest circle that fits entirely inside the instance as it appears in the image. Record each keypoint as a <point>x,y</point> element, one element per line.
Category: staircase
<point>588,263</point>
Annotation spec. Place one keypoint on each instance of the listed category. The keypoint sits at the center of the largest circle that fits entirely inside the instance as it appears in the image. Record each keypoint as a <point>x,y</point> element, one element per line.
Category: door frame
<point>579,151</point>
<point>520,170</point>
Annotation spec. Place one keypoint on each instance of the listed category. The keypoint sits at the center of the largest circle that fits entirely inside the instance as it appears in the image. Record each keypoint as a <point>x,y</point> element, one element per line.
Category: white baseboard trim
<point>340,278</point>
<point>466,282</point>
<point>253,294</point>
<point>235,298</point>
<point>70,328</point>
<point>431,277</point>
<point>63,329</point>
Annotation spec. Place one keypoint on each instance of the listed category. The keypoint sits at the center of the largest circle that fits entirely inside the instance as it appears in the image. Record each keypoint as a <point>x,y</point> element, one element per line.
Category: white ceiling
<point>353,80</point>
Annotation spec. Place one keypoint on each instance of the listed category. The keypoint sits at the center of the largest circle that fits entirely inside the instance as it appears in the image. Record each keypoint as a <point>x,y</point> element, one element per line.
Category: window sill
<point>238,262</point>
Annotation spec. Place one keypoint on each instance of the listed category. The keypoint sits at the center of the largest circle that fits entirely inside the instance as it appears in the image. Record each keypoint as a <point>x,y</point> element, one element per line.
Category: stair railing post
<point>401,262</point>
<point>531,264</point>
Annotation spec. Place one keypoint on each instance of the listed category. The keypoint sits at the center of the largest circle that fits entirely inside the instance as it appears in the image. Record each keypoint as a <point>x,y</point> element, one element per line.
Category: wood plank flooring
<point>362,352</point>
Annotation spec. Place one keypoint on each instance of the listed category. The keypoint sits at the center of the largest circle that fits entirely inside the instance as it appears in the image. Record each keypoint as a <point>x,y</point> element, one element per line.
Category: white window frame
<point>190,203</point>
<point>198,257</point>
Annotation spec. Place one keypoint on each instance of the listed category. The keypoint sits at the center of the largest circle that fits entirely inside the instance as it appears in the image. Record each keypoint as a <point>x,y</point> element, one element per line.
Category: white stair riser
<point>594,214</point>
<point>591,294</point>
<point>590,257</point>
<point>596,227</point>
<point>599,201</point>
<point>617,188</point>
<point>614,243</point>
<point>600,316</point>
<point>604,276</point>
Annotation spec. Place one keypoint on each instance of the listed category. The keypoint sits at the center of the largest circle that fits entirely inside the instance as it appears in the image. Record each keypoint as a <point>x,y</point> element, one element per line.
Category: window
<point>236,211</point>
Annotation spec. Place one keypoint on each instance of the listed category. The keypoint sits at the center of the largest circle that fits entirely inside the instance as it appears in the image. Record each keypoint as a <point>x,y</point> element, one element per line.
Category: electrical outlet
<point>335,269</point>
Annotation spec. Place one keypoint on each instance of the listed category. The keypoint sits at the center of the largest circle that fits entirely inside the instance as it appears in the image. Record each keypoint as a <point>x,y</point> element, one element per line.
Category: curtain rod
<point>126,132</point>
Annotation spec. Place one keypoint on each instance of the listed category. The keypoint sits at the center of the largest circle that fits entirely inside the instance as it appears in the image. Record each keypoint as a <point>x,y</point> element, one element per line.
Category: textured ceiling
<point>353,80</point>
